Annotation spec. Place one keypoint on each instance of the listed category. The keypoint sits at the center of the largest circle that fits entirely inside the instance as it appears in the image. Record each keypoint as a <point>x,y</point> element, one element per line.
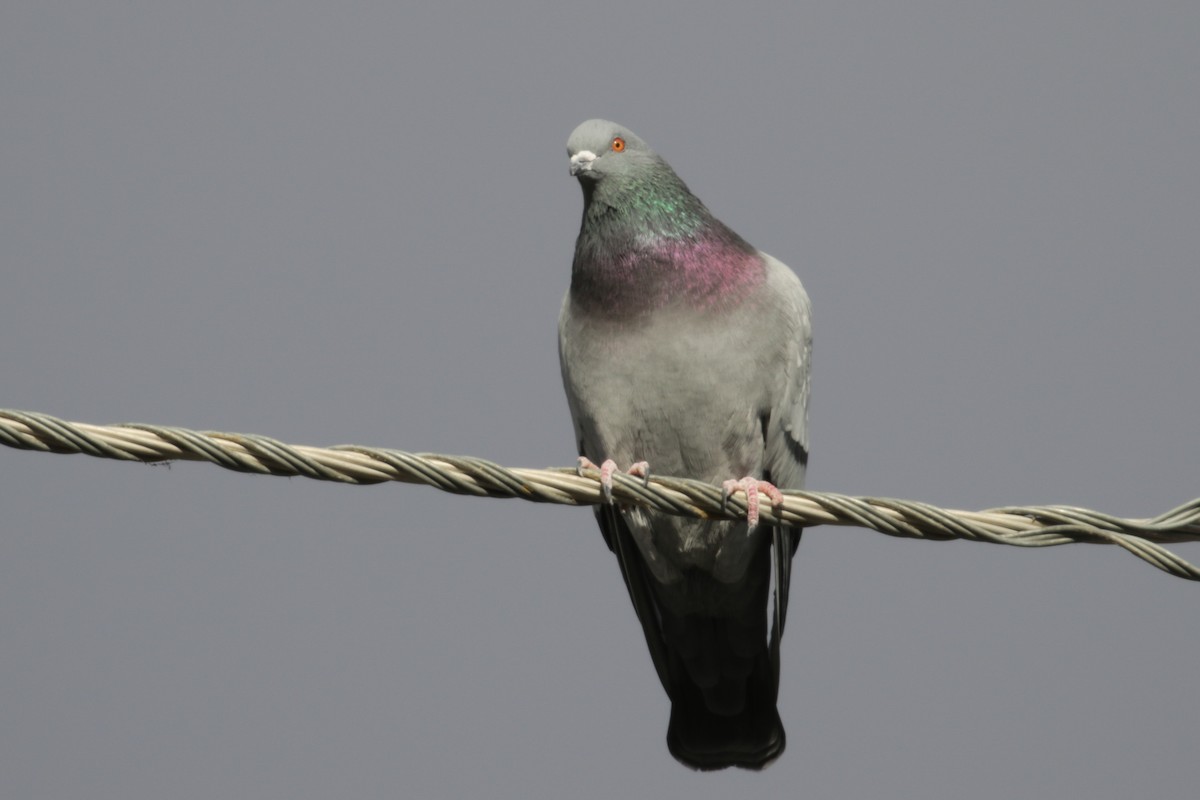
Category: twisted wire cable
<point>1020,526</point>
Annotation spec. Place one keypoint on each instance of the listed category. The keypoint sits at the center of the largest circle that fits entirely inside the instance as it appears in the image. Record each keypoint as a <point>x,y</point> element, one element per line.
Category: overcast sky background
<point>353,223</point>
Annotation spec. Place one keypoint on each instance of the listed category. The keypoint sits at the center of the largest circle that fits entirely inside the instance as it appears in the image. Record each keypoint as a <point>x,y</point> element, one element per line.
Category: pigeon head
<point>629,191</point>
<point>599,149</point>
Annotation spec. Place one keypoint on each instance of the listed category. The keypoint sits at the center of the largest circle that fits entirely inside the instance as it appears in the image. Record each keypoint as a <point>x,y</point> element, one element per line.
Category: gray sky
<point>334,223</point>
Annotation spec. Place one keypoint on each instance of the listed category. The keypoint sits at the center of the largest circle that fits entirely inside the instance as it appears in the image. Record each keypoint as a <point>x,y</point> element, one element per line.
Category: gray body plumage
<point>709,385</point>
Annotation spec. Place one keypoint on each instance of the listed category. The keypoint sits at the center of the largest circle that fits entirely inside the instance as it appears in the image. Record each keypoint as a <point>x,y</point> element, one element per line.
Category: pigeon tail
<point>720,670</point>
<point>702,737</point>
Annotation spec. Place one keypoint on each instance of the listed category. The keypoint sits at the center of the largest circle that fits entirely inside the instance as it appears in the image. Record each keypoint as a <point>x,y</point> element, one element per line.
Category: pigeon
<point>684,350</point>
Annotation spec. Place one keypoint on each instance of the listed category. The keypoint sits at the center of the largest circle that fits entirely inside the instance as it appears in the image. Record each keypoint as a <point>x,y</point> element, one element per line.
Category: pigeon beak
<point>582,161</point>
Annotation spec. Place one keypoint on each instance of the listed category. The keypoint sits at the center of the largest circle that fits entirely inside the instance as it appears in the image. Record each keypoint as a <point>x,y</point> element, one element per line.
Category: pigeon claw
<point>641,469</point>
<point>751,487</point>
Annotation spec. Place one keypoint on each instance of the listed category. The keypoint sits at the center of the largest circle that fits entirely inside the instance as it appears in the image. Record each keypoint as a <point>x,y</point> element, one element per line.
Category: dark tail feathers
<point>732,721</point>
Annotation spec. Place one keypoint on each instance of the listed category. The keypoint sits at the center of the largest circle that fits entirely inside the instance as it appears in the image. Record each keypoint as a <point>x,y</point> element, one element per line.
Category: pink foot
<point>641,469</point>
<point>751,486</point>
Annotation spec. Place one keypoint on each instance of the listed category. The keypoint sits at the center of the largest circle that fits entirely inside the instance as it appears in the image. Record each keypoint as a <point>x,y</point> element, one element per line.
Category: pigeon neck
<point>642,249</point>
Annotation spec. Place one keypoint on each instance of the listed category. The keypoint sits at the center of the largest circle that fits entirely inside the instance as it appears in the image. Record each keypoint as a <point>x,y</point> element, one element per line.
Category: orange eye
<point>618,144</point>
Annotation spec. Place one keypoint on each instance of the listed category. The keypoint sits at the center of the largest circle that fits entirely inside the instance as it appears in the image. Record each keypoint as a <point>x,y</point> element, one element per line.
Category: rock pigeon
<point>685,351</point>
